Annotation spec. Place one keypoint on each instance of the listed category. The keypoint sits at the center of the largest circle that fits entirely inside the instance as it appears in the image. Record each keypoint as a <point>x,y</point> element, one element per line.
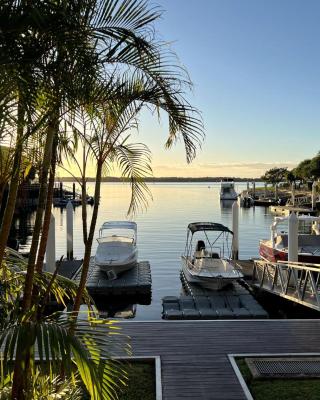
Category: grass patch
<point>141,383</point>
<point>279,389</point>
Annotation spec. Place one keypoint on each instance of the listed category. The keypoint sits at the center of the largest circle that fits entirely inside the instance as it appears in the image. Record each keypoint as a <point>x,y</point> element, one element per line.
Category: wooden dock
<point>287,210</point>
<point>194,354</point>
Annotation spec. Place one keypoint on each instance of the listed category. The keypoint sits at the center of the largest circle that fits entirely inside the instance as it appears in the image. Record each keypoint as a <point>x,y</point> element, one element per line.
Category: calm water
<point>162,229</point>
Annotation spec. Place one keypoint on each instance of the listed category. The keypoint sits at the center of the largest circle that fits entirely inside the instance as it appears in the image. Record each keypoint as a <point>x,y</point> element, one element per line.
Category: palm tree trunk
<point>27,294</point>
<point>84,193</point>
<point>21,367</point>
<point>14,184</point>
<point>84,210</point>
<point>87,254</point>
<point>47,213</point>
<point>2,186</point>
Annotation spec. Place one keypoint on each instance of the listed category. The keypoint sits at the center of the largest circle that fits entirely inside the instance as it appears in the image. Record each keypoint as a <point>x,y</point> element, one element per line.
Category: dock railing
<point>295,281</point>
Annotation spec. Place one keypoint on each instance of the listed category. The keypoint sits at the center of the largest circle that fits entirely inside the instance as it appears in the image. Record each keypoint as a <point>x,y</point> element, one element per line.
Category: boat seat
<point>205,254</point>
<point>200,245</point>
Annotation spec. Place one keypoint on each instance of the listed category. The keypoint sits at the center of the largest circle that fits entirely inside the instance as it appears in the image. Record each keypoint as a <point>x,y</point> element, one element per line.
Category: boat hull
<point>274,255</point>
<point>228,196</point>
<point>208,283</point>
<point>113,271</point>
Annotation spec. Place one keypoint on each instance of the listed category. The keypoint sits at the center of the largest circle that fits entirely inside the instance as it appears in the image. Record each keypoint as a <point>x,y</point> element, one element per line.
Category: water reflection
<point>226,205</point>
<point>162,231</point>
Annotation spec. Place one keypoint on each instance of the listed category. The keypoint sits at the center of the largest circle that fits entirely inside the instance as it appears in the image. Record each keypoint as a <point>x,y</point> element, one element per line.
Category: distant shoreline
<point>168,179</point>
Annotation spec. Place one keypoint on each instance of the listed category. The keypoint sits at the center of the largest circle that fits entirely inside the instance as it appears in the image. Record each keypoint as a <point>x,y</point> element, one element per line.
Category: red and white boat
<point>276,248</point>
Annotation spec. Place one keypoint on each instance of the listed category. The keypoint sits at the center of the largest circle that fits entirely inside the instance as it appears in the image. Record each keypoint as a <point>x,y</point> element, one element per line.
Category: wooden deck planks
<point>194,354</point>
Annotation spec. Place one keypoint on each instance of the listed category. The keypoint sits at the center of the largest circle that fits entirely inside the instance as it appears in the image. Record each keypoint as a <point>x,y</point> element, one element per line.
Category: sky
<point>255,68</point>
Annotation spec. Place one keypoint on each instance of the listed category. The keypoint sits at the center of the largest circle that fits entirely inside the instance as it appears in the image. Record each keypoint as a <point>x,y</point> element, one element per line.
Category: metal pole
<point>248,186</point>
<point>276,191</point>
<point>51,247</point>
<point>254,189</point>
<point>235,229</point>
<point>74,190</point>
<point>265,189</point>
<point>69,231</point>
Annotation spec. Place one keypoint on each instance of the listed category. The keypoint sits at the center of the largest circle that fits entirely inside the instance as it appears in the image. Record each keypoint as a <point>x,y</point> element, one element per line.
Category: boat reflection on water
<point>118,307</point>
<point>226,204</point>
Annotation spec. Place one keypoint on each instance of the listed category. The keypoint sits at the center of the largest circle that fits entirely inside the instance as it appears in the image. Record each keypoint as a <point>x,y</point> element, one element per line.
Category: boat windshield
<point>114,233</point>
<point>116,238</point>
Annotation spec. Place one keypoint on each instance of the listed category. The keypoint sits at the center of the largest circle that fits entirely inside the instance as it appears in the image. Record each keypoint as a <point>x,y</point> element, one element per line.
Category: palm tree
<point>107,143</point>
<point>88,350</point>
<point>76,46</point>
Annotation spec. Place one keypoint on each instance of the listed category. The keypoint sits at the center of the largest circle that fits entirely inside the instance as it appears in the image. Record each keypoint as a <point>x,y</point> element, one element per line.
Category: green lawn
<point>280,389</point>
<point>141,384</point>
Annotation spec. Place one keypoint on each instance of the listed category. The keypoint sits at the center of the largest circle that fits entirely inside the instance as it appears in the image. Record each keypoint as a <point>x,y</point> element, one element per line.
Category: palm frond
<point>134,163</point>
<point>90,349</point>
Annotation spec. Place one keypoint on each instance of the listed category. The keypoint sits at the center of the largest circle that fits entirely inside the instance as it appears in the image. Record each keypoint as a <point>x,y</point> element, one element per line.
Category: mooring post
<point>51,247</point>
<point>235,229</point>
<point>293,193</point>
<point>265,189</point>
<point>293,225</point>
<point>313,195</point>
<point>74,190</point>
<point>248,186</point>
<point>61,190</point>
<point>254,189</point>
<point>69,231</point>
<point>276,191</point>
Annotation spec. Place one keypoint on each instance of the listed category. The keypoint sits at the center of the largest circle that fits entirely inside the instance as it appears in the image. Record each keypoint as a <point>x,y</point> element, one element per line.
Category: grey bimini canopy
<point>208,226</point>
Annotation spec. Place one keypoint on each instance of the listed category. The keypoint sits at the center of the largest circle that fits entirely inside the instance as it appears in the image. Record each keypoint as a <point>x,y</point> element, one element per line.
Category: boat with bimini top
<point>207,261</point>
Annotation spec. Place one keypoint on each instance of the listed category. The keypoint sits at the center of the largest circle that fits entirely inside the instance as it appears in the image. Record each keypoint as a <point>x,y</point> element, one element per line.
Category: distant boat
<point>227,191</point>
<point>276,248</point>
<point>117,249</point>
<point>203,262</point>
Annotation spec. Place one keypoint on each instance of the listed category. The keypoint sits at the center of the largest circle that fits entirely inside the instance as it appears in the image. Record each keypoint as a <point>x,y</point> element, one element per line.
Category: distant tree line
<point>306,170</point>
<point>168,179</point>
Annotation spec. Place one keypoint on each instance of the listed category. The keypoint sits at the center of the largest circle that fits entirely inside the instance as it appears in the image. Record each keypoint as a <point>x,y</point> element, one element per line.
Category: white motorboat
<point>276,248</point>
<point>227,191</point>
<point>117,249</point>
<point>204,261</point>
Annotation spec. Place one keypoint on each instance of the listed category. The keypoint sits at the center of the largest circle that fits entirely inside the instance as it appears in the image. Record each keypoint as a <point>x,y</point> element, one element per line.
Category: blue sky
<point>255,66</point>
